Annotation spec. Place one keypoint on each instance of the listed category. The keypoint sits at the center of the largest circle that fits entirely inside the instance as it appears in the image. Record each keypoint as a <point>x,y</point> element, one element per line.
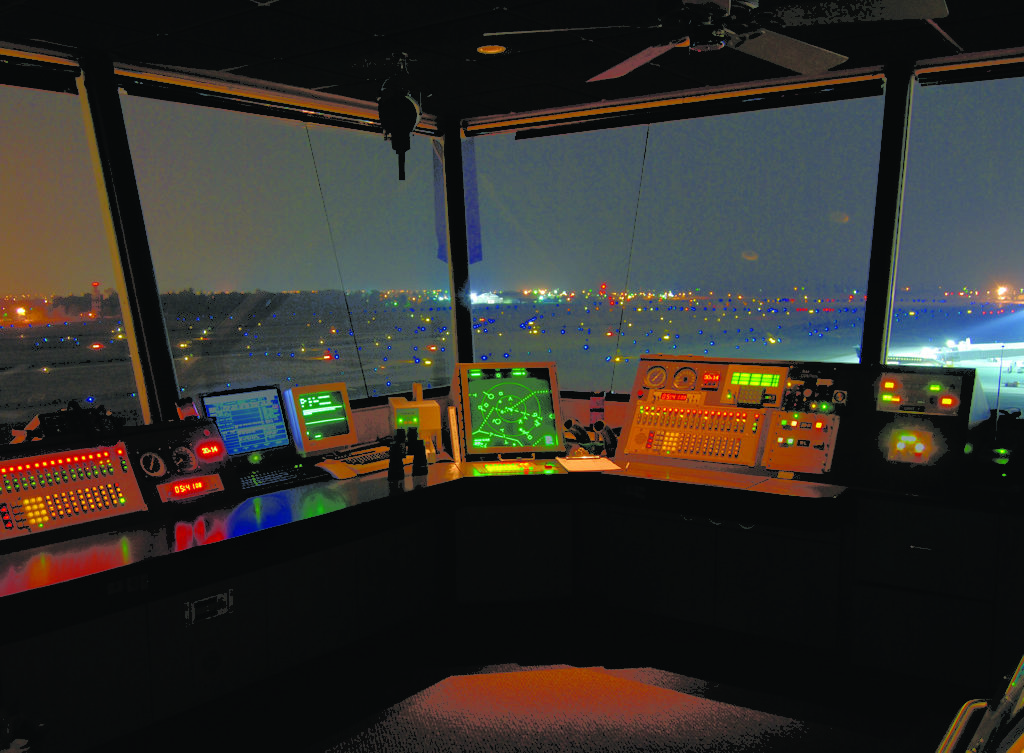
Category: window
<point>960,285</point>
<point>60,329</point>
<point>748,235</point>
<point>555,221</point>
<point>290,254</point>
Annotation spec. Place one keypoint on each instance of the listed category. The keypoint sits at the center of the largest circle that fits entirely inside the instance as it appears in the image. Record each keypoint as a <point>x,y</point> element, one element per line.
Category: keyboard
<point>371,461</point>
<point>282,477</point>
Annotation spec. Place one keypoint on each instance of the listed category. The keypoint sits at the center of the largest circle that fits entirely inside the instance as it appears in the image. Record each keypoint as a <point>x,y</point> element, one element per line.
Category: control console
<point>767,415</point>
<point>44,491</point>
<point>899,424</point>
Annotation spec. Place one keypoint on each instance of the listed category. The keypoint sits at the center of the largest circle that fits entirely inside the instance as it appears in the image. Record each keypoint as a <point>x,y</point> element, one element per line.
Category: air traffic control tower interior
<point>540,376</point>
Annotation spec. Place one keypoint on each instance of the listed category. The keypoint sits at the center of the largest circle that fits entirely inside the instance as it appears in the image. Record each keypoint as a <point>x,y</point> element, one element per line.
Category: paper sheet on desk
<point>588,464</point>
<point>337,468</point>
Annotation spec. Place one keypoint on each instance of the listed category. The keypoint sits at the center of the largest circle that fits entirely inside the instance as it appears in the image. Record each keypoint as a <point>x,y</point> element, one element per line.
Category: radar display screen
<point>511,409</point>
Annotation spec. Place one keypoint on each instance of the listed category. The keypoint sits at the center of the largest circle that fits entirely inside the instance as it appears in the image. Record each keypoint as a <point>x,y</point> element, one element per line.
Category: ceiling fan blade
<point>785,51</point>
<point>724,5</point>
<point>632,63</point>
<point>848,11</point>
<point>569,28</point>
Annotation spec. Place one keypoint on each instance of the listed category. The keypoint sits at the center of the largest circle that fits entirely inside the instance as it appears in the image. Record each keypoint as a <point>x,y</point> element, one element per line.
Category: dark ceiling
<point>324,45</point>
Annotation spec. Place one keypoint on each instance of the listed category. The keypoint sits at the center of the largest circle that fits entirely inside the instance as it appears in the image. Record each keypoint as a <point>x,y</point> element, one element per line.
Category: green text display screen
<point>324,414</point>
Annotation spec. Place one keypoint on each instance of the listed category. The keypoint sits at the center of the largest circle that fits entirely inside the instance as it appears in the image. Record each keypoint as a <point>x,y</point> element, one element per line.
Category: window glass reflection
<point>737,236</point>
<point>288,253</point>
<point>960,287</point>
<point>556,219</point>
<point>61,333</point>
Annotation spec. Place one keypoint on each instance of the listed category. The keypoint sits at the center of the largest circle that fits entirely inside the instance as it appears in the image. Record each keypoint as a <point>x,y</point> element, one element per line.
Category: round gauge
<point>185,461</point>
<point>685,379</point>
<point>655,376</point>
<point>152,464</point>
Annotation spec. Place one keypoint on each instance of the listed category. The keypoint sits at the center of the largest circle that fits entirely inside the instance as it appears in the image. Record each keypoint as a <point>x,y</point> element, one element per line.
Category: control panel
<point>50,490</point>
<point>919,394</point>
<point>758,414</point>
<point>177,461</point>
<point>900,424</point>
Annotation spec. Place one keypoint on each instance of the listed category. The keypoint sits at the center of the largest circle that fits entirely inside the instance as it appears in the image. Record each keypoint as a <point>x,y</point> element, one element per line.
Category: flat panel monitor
<point>510,409</point>
<point>250,421</point>
<point>320,417</point>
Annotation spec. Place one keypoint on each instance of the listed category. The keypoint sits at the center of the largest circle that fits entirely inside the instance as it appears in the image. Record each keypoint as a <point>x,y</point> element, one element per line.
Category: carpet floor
<point>563,708</point>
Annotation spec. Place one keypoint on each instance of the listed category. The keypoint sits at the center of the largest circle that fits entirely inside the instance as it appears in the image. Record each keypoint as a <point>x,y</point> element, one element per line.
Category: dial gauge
<point>185,461</point>
<point>656,376</point>
<point>152,464</point>
<point>685,379</point>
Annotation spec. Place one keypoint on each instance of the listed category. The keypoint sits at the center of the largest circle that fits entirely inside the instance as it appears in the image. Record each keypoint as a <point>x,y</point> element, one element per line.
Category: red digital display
<point>710,376</point>
<point>675,396</point>
<point>188,488</point>
<point>210,450</point>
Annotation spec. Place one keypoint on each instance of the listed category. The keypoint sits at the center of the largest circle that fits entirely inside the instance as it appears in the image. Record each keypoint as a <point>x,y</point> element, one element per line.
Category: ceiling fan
<point>708,25</point>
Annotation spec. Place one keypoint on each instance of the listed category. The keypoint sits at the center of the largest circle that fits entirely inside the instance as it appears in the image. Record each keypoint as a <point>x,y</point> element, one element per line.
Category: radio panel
<point>51,490</point>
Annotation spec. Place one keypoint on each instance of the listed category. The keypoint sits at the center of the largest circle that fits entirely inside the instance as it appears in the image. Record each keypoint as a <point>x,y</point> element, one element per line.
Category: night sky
<point>741,203</point>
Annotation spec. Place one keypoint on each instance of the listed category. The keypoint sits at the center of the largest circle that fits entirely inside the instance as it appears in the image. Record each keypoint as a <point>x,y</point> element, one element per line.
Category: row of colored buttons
<point>76,474</point>
<point>695,419</point>
<point>787,424</point>
<point>692,444</point>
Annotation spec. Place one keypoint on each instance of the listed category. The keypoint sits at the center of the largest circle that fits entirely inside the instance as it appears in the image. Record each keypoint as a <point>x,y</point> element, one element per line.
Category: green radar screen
<point>511,408</point>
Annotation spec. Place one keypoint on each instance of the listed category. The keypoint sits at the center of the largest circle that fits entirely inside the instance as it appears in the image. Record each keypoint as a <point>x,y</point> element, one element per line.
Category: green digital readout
<point>754,379</point>
<point>324,414</point>
<point>511,409</point>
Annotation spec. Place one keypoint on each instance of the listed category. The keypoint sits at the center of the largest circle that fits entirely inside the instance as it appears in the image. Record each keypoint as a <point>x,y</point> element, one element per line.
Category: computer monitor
<point>320,417</point>
<point>250,421</point>
<point>510,409</point>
